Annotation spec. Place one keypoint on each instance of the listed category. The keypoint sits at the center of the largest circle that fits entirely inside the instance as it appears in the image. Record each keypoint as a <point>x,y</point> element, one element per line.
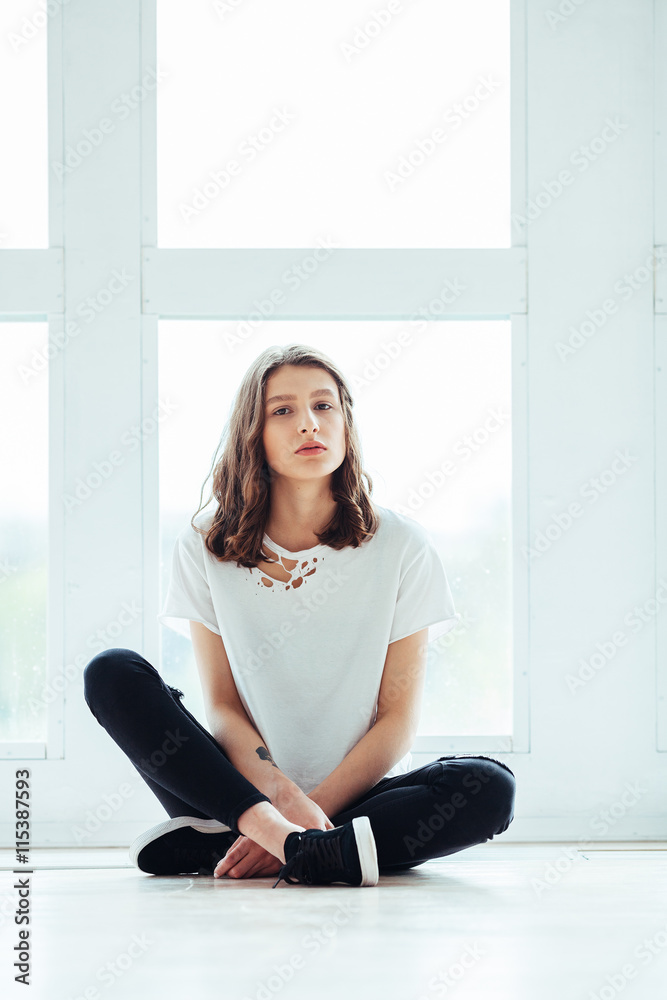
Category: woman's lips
<point>317,450</point>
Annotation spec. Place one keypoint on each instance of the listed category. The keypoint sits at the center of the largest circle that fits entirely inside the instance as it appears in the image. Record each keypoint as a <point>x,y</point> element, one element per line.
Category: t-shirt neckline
<point>289,552</point>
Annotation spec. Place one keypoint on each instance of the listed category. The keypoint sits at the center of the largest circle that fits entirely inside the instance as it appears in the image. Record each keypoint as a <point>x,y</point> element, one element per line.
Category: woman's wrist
<point>284,792</point>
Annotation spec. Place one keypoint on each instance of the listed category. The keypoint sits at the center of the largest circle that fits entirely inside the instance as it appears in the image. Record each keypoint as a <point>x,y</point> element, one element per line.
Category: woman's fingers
<point>241,870</point>
<point>245,860</point>
<point>257,868</point>
<point>236,868</point>
<point>236,852</point>
<point>256,871</point>
<point>264,870</point>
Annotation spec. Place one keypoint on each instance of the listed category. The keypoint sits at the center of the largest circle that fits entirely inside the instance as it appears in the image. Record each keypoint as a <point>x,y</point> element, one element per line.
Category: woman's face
<point>314,414</point>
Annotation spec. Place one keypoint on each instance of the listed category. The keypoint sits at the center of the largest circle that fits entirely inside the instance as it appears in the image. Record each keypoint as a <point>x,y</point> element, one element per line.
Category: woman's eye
<point>276,412</point>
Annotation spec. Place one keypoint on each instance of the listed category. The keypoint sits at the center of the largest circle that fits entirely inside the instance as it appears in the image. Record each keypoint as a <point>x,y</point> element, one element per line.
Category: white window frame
<point>660,353</point>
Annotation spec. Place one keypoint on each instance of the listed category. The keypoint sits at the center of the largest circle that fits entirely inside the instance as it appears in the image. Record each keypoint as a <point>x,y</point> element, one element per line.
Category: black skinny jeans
<point>443,807</point>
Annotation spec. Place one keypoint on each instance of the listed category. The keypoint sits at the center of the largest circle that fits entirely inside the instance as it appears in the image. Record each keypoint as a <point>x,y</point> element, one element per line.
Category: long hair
<point>242,479</point>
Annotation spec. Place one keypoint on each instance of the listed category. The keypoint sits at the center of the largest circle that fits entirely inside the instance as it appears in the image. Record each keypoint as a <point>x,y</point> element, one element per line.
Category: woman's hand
<point>246,859</point>
<point>298,808</point>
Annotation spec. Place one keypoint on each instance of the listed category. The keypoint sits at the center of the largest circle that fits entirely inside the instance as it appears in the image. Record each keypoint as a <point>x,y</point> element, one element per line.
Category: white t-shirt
<point>307,656</point>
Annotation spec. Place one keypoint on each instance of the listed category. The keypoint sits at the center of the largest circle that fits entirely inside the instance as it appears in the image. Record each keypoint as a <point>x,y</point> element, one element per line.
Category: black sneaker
<point>182,845</point>
<point>319,857</point>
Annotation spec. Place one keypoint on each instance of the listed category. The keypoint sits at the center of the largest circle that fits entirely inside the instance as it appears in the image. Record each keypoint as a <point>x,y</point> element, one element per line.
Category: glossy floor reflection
<point>498,922</point>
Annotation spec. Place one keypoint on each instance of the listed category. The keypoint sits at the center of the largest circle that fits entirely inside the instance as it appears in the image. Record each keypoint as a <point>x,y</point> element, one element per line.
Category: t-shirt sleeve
<point>188,594</point>
<point>424,598</point>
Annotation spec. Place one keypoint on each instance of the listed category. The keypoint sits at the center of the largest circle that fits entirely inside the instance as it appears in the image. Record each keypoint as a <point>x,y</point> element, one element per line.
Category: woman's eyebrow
<point>285,399</point>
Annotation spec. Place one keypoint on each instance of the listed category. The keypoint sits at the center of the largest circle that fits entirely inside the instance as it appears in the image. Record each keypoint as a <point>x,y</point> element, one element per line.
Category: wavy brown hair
<point>242,478</point>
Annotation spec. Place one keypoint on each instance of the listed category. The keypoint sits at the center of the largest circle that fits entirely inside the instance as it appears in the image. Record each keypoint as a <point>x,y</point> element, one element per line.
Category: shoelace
<point>309,855</point>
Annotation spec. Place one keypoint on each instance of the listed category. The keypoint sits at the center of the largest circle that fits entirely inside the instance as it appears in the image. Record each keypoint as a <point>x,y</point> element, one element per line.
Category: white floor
<point>499,922</point>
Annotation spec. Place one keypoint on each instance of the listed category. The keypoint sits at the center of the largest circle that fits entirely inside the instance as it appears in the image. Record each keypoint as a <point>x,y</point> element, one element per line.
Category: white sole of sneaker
<point>368,858</point>
<point>175,823</point>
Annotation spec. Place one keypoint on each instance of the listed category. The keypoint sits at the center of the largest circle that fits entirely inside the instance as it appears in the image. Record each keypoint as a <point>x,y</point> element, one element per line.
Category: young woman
<point>309,609</point>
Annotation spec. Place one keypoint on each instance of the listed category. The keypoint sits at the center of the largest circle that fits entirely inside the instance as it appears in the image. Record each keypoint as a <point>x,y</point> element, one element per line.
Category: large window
<point>23,125</point>
<point>385,125</point>
<point>24,503</point>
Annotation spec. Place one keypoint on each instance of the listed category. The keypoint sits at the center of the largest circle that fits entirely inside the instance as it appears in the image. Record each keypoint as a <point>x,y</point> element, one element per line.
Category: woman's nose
<point>308,422</point>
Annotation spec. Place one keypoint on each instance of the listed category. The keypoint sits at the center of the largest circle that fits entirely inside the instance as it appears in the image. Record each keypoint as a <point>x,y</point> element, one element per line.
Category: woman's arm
<point>228,720</point>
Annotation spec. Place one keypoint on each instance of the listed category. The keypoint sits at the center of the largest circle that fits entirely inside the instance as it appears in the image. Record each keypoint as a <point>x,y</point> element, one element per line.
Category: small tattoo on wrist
<point>264,754</point>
